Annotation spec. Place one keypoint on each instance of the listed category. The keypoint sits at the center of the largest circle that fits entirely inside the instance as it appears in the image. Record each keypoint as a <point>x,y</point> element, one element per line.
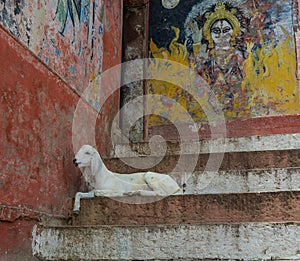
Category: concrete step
<point>230,241</point>
<point>246,209</point>
<point>247,226</point>
<point>191,209</point>
<point>241,153</point>
<point>275,142</point>
<point>245,160</point>
<point>246,164</point>
<point>237,180</point>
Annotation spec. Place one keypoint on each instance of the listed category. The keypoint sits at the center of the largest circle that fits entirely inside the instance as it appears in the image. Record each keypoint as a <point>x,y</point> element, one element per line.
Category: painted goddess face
<point>221,33</point>
<point>221,27</point>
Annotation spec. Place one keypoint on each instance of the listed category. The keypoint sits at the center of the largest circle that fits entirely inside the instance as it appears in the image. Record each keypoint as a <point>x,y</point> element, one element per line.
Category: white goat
<point>104,183</point>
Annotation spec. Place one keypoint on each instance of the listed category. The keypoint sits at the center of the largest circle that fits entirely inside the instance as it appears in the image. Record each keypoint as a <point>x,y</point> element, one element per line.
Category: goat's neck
<point>104,171</point>
<point>101,173</point>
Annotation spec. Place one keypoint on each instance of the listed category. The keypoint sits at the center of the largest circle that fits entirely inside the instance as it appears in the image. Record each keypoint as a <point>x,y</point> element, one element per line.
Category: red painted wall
<point>38,180</point>
<point>37,175</point>
<point>112,56</point>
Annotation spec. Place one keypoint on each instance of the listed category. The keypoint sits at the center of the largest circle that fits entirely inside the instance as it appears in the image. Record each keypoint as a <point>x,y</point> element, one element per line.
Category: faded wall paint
<point>37,177</point>
<point>65,34</point>
<point>112,56</point>
<point>38,180</point>
<point>253,75</point>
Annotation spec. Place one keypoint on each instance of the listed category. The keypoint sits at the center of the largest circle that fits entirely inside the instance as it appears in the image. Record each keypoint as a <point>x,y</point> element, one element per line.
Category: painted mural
<point>244,50</point>
<point>65,34</point>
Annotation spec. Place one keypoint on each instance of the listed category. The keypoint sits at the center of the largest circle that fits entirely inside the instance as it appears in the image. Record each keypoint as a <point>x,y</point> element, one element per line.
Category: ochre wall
<point>38,180</point>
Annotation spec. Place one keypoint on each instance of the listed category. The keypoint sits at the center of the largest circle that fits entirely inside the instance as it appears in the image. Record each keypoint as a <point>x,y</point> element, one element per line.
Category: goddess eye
<point>226,29</point>
<point>216,30</point>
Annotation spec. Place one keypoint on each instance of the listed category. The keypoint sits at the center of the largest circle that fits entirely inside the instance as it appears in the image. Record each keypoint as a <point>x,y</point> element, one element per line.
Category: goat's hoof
<point>76,211</point>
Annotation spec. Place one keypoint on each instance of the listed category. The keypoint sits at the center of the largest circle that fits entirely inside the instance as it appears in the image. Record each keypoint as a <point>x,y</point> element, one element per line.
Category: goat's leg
<point>145,193</point>
<point>107,193</point>
<point>80,195</point>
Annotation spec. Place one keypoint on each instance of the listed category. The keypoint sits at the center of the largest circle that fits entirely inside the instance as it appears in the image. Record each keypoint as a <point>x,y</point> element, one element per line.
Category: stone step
<point>232,241</point>
<point>239,181</point>
<point>244,164</point>
<point>246,160</point>
<point>245,208</point>
<point>190,209</point>
<point>252,152</point>
<point>275,142</point>
<point>243,181</point>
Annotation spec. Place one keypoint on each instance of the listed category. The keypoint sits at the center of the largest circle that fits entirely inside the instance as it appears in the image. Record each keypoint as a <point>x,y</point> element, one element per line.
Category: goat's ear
<point>96,164</point>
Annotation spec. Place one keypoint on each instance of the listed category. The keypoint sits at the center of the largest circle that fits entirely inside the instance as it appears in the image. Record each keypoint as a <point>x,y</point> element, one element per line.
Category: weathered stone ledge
<point>220,145</point>
<point>191,209</point>
<point>199,162</point>
<point>243,181</point>
<point>244,241</point>
<point>239,181</point>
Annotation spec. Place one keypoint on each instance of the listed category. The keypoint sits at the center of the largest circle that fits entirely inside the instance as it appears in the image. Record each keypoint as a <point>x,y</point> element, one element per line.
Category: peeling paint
<point>38,179</point>
<point>62,33</point>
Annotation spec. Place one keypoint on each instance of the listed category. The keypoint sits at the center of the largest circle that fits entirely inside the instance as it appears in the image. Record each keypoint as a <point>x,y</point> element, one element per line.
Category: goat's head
<point>84,156</point>
<point>89,162</point>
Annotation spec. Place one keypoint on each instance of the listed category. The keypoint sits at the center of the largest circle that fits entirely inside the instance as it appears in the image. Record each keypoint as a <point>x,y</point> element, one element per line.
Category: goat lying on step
<point>104,183</point>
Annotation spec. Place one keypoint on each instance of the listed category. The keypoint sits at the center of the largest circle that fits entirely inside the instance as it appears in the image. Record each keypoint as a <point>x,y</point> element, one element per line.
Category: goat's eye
<point>87,153</point>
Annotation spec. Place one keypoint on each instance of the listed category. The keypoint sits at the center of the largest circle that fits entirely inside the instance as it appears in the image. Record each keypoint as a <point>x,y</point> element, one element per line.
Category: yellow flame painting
<point>269,82</point>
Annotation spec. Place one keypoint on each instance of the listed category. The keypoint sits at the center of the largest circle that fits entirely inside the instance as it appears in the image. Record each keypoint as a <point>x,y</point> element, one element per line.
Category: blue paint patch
<point>46,60</point>
<point>72,69</point>
<point>85,11</point>
<point>58,52</point>
<point>100,30</point>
